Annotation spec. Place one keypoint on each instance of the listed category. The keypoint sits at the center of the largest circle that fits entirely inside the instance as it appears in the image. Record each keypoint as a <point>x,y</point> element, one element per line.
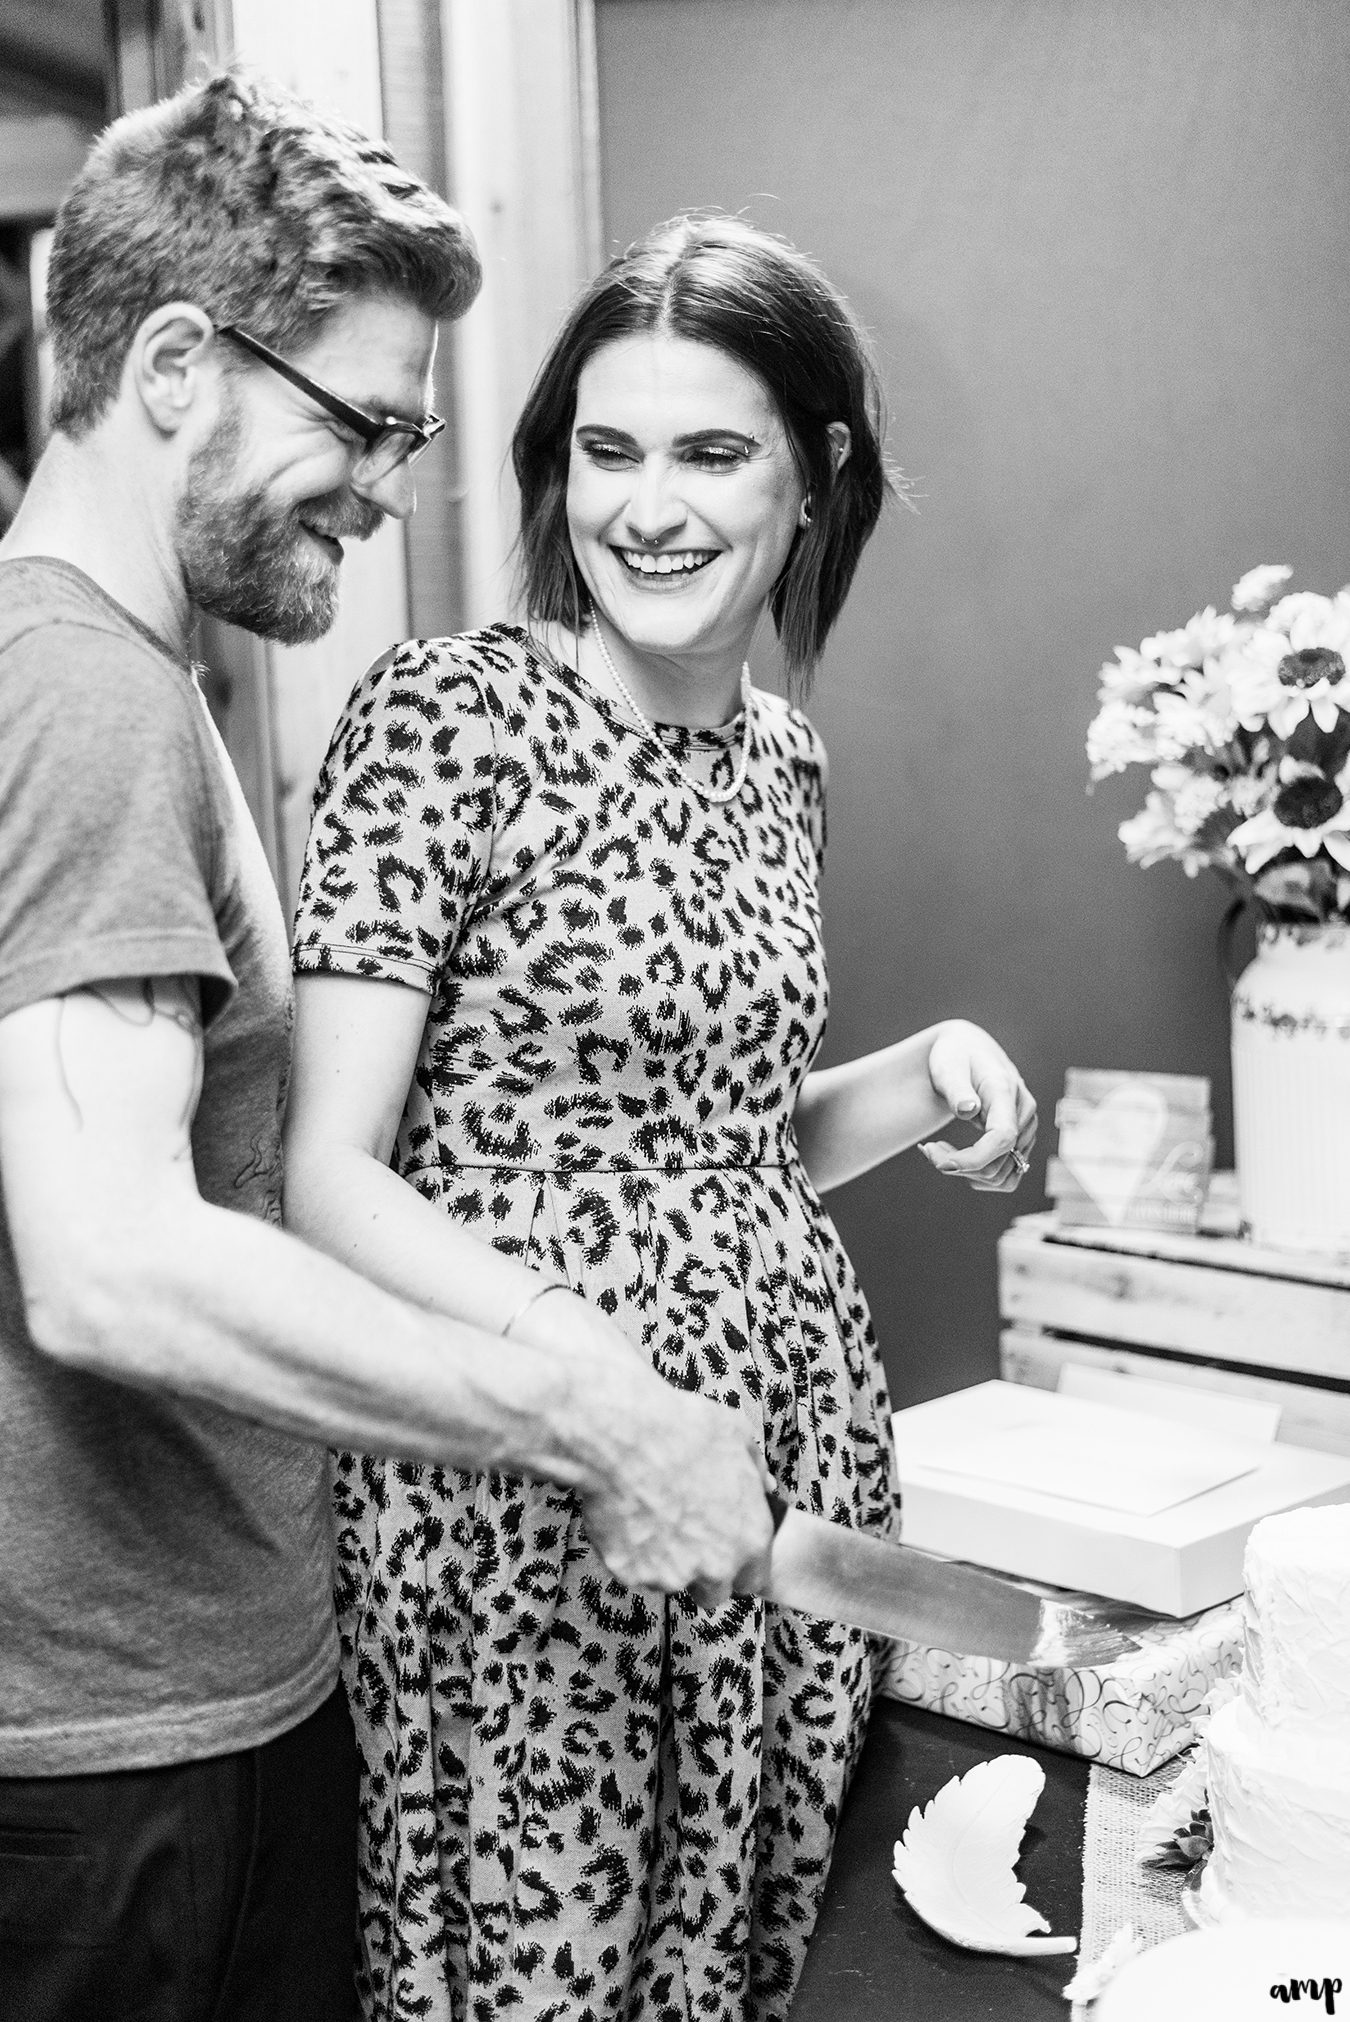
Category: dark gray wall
<point>1103,248</point>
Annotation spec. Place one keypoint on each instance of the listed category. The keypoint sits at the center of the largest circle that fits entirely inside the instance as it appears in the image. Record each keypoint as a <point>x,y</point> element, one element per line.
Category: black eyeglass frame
<point>372,430</point>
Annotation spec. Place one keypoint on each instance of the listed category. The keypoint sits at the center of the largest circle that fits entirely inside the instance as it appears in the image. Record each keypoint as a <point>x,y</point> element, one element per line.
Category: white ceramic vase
<point>1291,1089</point>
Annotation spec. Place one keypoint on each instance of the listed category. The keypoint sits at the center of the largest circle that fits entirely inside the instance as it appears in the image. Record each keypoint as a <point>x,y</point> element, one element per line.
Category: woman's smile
<point>671,568</point>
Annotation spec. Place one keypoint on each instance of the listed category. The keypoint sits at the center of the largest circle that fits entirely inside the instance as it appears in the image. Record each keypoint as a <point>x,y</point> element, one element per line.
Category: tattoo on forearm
<point>137,1005</point>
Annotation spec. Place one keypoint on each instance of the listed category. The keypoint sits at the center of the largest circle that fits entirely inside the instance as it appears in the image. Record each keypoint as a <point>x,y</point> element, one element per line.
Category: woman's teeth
<point>682,564</point>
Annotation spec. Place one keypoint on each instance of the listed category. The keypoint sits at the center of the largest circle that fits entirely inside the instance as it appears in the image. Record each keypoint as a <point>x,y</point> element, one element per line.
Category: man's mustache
<point>343,519</point>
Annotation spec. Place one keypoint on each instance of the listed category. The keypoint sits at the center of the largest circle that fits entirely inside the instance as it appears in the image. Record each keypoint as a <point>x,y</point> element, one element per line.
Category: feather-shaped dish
<point>955,1858</point>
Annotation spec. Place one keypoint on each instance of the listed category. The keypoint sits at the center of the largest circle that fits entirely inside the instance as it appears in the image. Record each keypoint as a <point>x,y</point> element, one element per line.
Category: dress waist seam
<point>542,1171</point>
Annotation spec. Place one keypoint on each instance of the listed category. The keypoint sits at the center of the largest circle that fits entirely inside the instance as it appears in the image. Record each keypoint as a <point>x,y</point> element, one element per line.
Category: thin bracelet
<point>553,1285</point>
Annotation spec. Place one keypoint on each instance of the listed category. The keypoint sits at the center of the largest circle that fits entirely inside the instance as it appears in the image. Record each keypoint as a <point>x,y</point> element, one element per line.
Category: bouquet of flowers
<point>1243,718</point>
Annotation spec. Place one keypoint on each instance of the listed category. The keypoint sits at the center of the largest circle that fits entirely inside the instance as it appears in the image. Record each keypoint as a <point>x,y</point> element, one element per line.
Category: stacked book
<point>1135,1150</point>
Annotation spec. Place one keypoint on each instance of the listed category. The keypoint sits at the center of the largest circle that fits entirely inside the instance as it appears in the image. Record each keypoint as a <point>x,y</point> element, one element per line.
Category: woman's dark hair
<point>721,281</point>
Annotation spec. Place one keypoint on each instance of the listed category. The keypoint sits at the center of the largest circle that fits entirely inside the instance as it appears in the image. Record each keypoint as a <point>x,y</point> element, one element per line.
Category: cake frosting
<point>1278,1755</point>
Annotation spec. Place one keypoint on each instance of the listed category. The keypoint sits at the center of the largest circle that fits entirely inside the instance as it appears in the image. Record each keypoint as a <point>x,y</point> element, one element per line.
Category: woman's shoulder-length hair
<point>721,281</point>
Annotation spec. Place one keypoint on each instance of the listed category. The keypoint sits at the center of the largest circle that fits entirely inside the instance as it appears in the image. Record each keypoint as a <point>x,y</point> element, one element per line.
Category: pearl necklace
<point>715,796</point>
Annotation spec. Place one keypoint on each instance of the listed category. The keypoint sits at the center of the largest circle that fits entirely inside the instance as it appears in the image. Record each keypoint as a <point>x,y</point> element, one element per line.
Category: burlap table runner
<point>1117,1890</point>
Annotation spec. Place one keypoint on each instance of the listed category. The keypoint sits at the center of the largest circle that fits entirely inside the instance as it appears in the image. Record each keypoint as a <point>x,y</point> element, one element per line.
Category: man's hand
<point>676,1499</point>
<point>690,1511</point>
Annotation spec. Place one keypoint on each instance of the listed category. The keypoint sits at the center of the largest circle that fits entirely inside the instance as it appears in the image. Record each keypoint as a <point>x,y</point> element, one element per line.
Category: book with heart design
<point>1135,1150</point>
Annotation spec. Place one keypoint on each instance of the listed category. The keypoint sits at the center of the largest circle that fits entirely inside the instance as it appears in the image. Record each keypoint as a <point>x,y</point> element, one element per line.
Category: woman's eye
<point>607,455</point>
<point>705,456</point>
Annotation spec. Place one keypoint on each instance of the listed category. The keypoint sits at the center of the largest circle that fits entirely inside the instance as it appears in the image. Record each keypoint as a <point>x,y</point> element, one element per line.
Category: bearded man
<point>243,308</point>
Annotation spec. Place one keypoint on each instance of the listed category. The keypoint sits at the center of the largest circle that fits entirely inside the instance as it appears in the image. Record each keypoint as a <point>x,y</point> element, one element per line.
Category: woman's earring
<point>804,516</point>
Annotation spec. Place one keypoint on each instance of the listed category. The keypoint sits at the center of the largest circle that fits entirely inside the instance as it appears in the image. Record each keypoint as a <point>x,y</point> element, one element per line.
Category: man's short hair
<point>239,197</point>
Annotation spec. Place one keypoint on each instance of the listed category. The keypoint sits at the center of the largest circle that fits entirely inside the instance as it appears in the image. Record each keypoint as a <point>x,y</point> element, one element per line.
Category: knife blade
<point>826,1569</point>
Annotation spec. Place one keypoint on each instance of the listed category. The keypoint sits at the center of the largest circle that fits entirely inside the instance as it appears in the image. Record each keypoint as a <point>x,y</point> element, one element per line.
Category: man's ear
<point>168,363</point>
<point>841,442</point>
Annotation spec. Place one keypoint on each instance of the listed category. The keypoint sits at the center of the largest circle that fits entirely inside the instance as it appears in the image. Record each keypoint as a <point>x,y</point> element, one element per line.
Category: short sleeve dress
<point>580,1803</point>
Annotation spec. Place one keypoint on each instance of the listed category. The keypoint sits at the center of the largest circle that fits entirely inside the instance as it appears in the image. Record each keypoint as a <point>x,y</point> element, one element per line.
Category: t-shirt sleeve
<point>404,816</point>
<point>108,819</point>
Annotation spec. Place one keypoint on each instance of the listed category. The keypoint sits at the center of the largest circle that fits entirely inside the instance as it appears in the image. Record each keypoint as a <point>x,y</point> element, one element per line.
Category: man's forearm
<point>217,1306</point>
<point>220,1307</point>
<point>126,1271</point>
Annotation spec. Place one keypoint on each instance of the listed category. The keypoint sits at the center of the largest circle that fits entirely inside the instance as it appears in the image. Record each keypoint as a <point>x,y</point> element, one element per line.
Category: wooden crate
<point>1213,1312</point>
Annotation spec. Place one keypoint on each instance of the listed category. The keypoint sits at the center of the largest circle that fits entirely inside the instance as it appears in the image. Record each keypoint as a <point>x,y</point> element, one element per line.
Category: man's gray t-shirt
<point>165,1567</point>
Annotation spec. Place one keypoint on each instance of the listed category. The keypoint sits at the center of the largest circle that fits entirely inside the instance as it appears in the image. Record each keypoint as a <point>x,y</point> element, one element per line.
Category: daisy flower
<point>1131,677</point>
<point>1281,676</point>
<point>1155,834</point>
<point>1260,586</point>
<point>1309,813</point>
<point>1195,796</point>
<point>1198,716</point>
<point>1121,734</point>
<point>1309,609</point>
<point>1207,633</point>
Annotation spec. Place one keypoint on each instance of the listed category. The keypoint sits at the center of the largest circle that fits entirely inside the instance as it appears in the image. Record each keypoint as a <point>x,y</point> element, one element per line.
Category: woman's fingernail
<point>970,1107</point>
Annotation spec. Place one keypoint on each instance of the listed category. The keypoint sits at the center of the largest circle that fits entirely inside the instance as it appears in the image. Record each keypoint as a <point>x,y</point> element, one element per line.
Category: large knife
<point>822,1568</point>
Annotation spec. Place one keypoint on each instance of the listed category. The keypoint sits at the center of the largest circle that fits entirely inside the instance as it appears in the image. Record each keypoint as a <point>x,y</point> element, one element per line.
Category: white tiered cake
<point>1279,1754</point>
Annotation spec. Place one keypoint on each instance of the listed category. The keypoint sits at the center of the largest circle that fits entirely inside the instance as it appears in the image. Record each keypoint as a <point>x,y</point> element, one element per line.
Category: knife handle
<point>778,1509</point>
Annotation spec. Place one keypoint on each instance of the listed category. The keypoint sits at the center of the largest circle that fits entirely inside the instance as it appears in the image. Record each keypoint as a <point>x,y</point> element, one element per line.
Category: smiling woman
<point>561,983</point>
<point>693,328</point>
<point>680,529</point>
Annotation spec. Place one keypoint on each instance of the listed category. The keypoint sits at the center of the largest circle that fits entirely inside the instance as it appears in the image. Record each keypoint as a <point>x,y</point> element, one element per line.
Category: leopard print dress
<point>578,1803</point>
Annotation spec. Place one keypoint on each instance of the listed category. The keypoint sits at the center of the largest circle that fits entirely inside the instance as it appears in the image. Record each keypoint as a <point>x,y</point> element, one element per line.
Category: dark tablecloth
<point>872,1959</point>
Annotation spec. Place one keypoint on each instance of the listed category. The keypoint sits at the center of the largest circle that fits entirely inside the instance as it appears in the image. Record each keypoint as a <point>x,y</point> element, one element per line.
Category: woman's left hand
<point>972,1074</point>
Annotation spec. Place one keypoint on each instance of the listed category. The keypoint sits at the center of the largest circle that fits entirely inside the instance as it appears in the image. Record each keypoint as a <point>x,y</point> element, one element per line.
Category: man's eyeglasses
<point>388,442</point>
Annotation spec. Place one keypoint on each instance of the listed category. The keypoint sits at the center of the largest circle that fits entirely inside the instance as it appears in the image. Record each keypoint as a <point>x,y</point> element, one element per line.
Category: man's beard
<point>247,559</point>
